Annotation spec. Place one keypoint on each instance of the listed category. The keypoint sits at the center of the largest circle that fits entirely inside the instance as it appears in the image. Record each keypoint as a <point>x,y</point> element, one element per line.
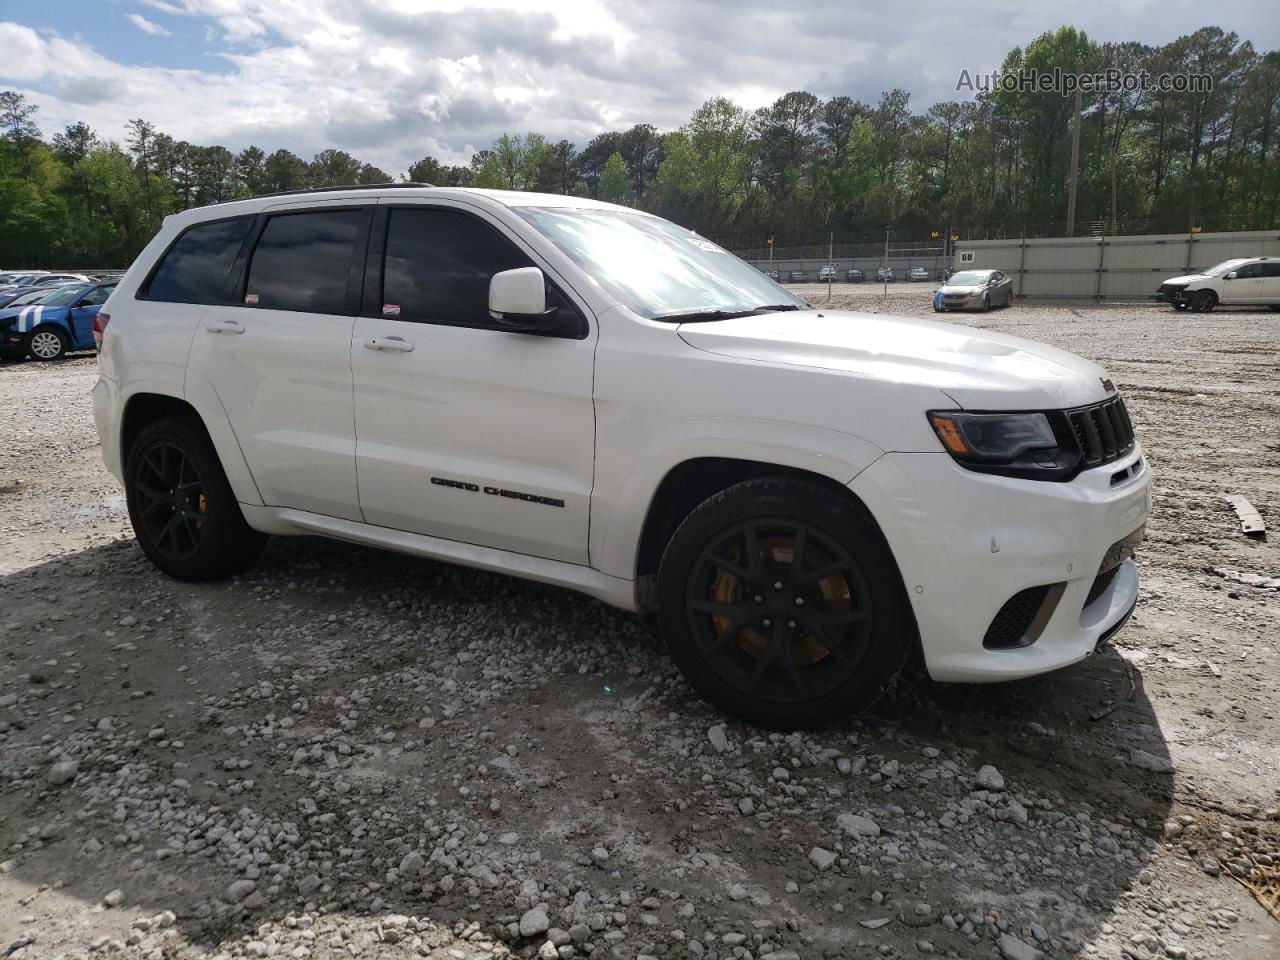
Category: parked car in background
<point>854,275</point>
<point>771,274</point>
<point>56,279</point>
<point>828,274</point>
<point>57,323</point>
<point>885,275</point>
<point>1246,281</point>
<point>20,296</point>
<point>974,290</point>
<point>797,276</point>
<point>917,274</point>
<point>26,279</point>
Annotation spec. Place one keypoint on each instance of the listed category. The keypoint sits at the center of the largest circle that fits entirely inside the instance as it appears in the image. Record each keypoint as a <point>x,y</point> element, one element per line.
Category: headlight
<point>1012,444</point>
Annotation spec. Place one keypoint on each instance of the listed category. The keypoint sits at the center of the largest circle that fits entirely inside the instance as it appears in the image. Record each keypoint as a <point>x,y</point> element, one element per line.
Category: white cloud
<point>147,26</point>
<point>392,80</point>
<point>162,6</point>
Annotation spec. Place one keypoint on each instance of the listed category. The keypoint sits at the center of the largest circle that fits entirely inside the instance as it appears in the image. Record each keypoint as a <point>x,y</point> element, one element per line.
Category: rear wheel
<point>46,343</point>
<point>1202,301</point>
<point>183,511</point>
<point>780,603</point>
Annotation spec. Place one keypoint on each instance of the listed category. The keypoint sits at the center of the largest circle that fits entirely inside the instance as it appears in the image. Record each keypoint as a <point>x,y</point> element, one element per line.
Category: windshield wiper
<point>706,316</point>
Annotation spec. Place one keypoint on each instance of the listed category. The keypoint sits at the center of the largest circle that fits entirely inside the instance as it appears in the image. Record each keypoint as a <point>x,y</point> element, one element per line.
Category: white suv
<point>590,396</point>
<point>1244,281</point>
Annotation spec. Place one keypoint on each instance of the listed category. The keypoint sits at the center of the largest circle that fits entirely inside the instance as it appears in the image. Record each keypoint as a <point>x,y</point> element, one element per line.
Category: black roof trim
<point>352,186</point>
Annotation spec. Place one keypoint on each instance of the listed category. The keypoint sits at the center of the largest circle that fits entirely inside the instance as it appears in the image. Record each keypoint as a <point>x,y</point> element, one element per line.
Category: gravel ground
<point>348,753</point>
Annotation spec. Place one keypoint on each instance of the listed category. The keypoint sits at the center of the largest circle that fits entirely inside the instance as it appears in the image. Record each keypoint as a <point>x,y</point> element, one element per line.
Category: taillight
<point>100,327</point>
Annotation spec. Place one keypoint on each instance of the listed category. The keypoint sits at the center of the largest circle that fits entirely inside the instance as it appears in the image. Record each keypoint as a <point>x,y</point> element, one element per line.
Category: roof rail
<point>351,186</point>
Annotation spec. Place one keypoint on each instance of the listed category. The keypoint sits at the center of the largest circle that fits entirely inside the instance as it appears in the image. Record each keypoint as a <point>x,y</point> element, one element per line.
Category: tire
<point>1181,306</point>
<point>1274,307</point>
<point>986,303</point>
<point>845,635</point>
<point>46,344</point>
<point>183,511</point>
<point>1202,301</point>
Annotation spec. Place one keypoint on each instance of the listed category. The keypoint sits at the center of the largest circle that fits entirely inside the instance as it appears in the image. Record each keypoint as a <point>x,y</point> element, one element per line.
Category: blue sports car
<point>55,324</point>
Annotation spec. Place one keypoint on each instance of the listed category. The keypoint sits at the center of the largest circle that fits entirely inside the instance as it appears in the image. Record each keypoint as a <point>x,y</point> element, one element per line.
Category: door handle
<point>224,326</point>
<point>397,344</point>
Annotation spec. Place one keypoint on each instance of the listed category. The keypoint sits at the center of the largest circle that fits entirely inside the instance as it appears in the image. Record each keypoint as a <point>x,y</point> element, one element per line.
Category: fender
<point>623,493</point>
<point>201,395</point>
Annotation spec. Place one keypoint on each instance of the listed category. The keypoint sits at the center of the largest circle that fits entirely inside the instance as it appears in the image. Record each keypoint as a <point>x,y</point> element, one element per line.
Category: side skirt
<point>614,591</point>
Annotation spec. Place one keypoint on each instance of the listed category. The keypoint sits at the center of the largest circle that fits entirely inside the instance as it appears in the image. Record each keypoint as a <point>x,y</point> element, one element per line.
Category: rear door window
<point>303,261</point>
<point>195,268</point>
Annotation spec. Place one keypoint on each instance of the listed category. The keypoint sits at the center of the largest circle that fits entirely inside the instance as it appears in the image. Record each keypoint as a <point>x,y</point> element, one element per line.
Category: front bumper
<point>1168,294</point>
<point>966,301</point>
<point>967,542</point>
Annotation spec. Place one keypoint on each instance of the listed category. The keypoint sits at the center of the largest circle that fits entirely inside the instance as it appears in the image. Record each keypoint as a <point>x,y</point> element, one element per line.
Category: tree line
<point>797,171</point>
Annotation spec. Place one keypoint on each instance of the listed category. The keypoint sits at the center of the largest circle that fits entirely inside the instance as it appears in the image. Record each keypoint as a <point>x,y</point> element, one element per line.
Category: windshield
<point>1225,267</point>
<point>655,267</point>
<point>60,297</point>
<point>968,278</point>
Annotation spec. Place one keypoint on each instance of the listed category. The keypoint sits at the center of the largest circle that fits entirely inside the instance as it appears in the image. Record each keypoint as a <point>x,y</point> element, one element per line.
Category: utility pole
<point>830,273</point>
<point>884,262</point>
<point>1075,168</point>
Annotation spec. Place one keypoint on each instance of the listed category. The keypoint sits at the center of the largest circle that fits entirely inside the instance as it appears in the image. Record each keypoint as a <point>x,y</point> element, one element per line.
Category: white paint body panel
<point>320,435</point>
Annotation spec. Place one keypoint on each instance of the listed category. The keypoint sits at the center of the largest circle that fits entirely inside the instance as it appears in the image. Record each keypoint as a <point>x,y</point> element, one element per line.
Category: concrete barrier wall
<point>1121,268</point>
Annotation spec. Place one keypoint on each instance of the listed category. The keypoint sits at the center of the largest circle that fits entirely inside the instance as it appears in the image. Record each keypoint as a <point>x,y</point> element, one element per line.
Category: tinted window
<point>1270,269</point>
<point>439,263</point>
<point>1248,271</point>
<point>195,268</point>
<point>303,260</point>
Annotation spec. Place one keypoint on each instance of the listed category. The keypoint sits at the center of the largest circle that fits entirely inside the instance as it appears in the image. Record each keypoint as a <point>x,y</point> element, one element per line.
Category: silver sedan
<point>974,290</point>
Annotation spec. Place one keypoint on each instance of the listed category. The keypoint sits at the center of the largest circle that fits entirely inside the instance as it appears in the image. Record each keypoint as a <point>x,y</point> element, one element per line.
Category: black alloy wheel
<point>183,510</point>
<point>173,507</point>
<point>780,611</point>
<point>781,603</point>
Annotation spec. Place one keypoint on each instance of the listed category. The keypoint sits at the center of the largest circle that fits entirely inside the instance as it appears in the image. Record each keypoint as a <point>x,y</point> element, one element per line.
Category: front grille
<point>1172,287</point>
<point>1100,584</point>
<point>1010,626</point>
<point>1103,431</point>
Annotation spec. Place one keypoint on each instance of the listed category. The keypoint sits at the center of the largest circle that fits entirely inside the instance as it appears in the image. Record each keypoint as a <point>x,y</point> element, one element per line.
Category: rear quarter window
<point>195,268</point>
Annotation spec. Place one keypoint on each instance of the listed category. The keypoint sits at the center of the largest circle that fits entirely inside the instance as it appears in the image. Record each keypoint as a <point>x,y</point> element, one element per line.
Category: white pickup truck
<point>591,396</point>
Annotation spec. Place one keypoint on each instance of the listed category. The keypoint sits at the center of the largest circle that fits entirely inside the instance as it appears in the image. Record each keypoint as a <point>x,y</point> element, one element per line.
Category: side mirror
<point>1232,275</point>
<point>518,299</point>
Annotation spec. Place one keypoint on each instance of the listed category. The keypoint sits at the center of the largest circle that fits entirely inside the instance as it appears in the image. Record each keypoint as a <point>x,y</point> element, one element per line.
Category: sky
<point>391,81</point>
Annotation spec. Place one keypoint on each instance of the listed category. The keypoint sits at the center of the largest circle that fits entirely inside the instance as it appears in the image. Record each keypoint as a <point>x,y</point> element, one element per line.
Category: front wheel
<point>46,343</point>
<point>986,303</point>
<point>1202,301</point>
<point>182,508</point>
<point>781,603</point>
<point>1180,305</point>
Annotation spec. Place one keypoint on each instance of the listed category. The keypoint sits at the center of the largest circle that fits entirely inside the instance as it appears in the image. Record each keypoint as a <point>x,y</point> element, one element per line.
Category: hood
<point>978,369</point>
<point>1190,278</point>
<point>30,316</point>
<point>962,289</point>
